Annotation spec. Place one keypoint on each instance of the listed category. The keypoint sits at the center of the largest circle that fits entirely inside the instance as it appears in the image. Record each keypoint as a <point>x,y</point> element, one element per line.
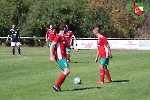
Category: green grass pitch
<point>31,76</point>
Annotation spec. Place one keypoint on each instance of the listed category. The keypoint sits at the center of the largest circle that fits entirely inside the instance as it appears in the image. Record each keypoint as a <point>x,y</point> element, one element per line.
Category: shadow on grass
<point>79,89</point>
<point>120,81</point>
<point>79,62</point>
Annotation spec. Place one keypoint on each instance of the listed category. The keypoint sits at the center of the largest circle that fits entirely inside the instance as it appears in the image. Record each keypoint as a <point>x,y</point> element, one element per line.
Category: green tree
<point>54,12</point>
<point>12,12</point>
<point>34,16</point>
<point>122,23</point>
<point>6,16</point>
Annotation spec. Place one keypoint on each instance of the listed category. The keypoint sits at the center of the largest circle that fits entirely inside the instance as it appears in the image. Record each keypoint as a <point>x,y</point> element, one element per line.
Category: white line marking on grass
<point>25,57</point>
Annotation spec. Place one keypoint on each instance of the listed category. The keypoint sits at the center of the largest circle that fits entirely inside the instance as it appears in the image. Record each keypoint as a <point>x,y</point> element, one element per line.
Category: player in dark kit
<point>15,39</point>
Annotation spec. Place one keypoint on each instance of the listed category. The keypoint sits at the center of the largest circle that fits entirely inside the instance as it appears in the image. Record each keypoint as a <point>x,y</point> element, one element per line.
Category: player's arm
<point>69,46</point>
<point>72,47</point>
<point>7,38</point>
<point>97,55</point>
<point>109,50</point>
<point>108,47</point>
<point>51,51</point>
<point>46,37</point>
<point>18,34</point>
<point>74,37</point>
<point>75,40</point>
<point>55,32</point>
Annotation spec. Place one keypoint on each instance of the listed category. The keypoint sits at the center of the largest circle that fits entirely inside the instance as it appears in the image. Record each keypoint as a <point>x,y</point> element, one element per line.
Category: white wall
<point>119,44</point>
<point>116,44</point>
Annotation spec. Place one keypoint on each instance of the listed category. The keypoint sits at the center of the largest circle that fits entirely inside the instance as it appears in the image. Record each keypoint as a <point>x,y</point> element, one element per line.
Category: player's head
<point>62,26</point>
<point>51,26</point>
<point>67,28</point>
<point>96,30</point>
<point>13,26</point>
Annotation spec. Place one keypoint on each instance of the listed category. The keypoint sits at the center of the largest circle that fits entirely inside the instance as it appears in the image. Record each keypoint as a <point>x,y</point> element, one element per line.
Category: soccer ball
<point>77,80</point>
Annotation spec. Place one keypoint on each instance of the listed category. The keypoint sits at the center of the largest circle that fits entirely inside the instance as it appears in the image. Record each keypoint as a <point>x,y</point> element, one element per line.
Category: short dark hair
<point>62,26</point>
<point>97,29</point>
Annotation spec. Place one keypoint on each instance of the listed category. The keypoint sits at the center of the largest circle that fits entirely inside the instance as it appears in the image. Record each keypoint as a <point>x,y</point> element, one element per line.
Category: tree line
<point>33,17</point>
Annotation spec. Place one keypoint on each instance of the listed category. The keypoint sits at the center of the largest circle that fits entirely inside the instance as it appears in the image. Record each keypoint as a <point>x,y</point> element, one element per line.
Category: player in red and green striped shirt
<point>60,44</point>
<point>104,53</point>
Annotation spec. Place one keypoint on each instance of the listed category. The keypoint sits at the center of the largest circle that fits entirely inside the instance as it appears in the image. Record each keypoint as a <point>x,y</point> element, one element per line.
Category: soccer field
<point>31,76</point>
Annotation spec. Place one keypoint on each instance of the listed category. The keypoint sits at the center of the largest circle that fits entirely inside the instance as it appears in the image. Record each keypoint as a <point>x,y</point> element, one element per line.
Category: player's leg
<point>19,49</point>
<point>49,44</point>
<point>46,44</point>
<point>66,70</point>
<point>13,48</point>
<point>103,70</point>
<point>107,75</point>
<point>102,74</point>
<point>68,57</point>
<point>106,63</point>
<point>68,50</point>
